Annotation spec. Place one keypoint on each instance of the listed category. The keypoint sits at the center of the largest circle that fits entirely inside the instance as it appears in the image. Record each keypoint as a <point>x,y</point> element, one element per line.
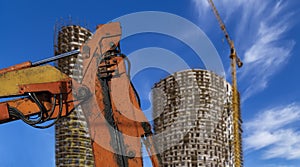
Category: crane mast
<point>235,61</point>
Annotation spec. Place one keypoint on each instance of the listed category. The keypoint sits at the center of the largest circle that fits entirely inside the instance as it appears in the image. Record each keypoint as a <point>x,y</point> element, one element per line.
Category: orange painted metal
<point>4,115</point>
<point>99,129</point>
<point>29,107</point>
<point>52,87</point>
<point>129,116</point>
<point>125,106</point>
<point>125,109</point>
<point>105,37</point>
<point>126,112</point>
<point>16,67</point>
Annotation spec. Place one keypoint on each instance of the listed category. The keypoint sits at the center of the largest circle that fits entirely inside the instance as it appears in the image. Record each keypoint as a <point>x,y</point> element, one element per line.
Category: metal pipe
<point>57,57</point>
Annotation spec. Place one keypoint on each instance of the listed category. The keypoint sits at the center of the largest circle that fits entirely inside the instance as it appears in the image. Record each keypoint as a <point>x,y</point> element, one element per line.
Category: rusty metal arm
<point>113,114</point>
<point>45,92</point>
<point>41,92</point>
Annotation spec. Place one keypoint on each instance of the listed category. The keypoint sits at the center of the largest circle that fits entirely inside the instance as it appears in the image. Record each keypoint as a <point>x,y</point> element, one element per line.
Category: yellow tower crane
<point>235,60</point>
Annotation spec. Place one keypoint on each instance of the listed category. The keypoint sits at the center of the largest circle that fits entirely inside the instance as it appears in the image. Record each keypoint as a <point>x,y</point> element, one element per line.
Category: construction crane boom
<point>223,28</point>
<point>235,60</point>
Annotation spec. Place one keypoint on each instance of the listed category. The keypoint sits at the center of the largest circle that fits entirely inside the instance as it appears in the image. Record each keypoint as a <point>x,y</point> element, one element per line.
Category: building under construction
<point>73,143</point>
<point>193,120</point>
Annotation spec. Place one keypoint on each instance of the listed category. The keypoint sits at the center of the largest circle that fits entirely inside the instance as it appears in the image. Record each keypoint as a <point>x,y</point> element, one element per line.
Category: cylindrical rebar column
<point>193,119</point>
<point>73,143</point>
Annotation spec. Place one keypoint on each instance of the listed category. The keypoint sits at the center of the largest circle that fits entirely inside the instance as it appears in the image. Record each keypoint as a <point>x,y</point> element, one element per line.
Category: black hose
<point>58,116</point>
<point>19,115</point>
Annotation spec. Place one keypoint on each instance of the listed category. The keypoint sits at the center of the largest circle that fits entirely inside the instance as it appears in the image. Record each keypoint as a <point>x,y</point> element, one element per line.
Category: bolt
<point>82,92</point>
<point>111,44</point>
<point>131,154</point>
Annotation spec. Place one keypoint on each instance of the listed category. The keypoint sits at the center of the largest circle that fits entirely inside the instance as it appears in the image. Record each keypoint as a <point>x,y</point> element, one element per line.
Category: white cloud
<point>277,165</point>
<point>259,32</point>
<point>269,52</point>
<point>288,145</point>
<point>276,117</point>
<point>273,131</point>
<point>265,139</point>
<point>202,7</point>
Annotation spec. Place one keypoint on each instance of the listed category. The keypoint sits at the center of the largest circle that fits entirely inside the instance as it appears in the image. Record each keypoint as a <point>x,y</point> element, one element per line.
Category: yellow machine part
<point>10,81</point>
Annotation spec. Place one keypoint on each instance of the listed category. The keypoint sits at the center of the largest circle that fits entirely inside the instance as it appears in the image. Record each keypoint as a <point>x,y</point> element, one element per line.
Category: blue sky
<point>266,35</point>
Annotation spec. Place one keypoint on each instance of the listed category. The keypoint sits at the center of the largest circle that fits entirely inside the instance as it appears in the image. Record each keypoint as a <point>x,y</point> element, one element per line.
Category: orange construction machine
<point>41,93</point>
